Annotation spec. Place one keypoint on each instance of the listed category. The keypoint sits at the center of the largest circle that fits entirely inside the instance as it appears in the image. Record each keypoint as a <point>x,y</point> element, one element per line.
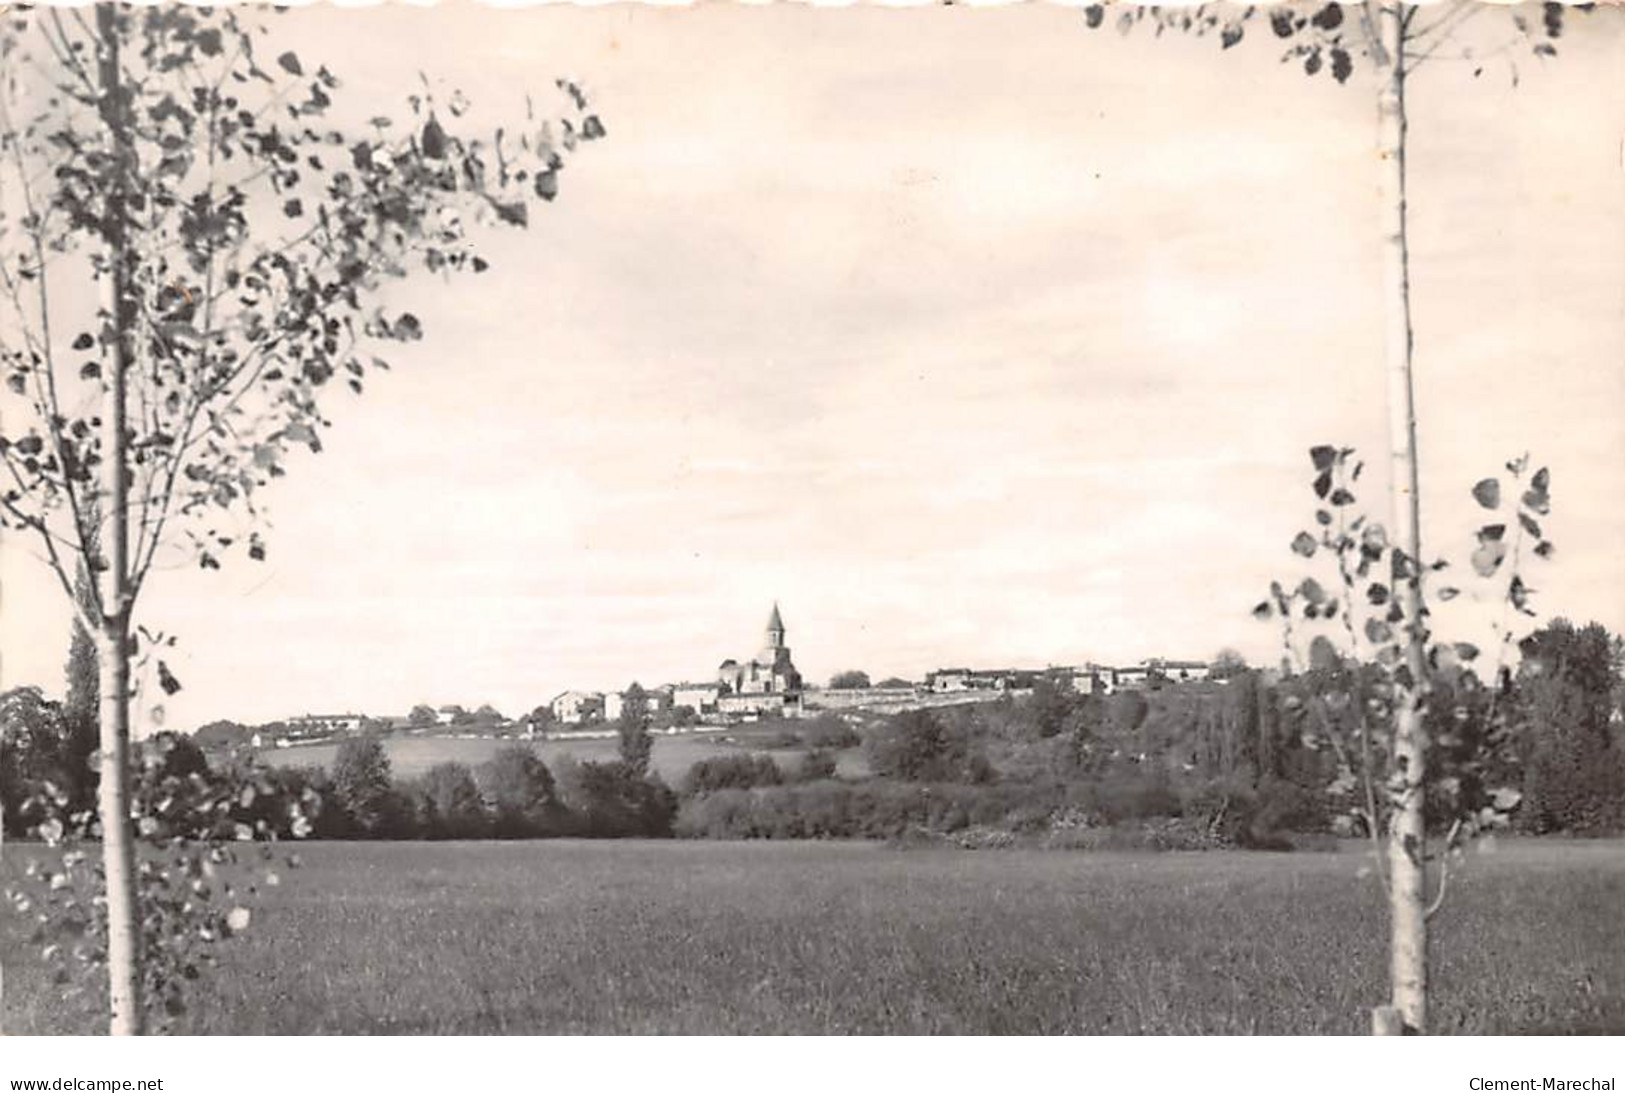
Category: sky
<point>969,336</point>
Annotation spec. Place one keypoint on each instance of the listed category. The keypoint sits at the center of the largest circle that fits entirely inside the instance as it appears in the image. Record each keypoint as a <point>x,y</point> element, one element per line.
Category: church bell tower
<point>775,630</point>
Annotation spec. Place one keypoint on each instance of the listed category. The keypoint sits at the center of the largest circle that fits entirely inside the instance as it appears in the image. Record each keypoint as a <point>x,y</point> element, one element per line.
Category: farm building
<point>574,707</point>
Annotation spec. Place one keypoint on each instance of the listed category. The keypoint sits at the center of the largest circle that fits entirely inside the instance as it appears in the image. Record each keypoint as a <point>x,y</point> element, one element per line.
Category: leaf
<point>1310,590</point>
<point>1311,63</point>
<point>1492,533</point>
<point>293,207</point>
<point>1488,493</point>
<point>433,139</point>
<point>1518,593</point>
<point>1542,480</point>
<point>1545,49</point>
<point>1341,497</point>
<point>1093,15</point>
<point>1487,558</point>
<point>1342,65</point>
<point>1552,16</point>
<point>1323,654</point>
<point>1323,456</point>
<point>304,434</point>
<point>1323,484</point>
<point>512,212</point>
<point>1544,548</point>
<point>1263,611</point>
<point>1329,17</point>
<point>1281,23</point>
<point>289,62</point>
<point>90,370</point>
<point>1377,593</point>
<point>167,680</point>
<point>1528,524</point>
<point>408,328</point>
<point>592,128</point>
<point>1230,36</point>
<point>1304,543</point>
<point>547,185</point>
<point>1466,650</point>
<point>1378,632</point>
<point>1448,593</point>
<point>83,341</point>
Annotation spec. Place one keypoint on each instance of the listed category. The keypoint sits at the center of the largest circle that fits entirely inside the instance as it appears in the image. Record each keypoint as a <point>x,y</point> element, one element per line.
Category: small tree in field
<point>1393,39</point>
<point>1352,616</point>
<point>632,727</point>
<point>453,800</point>
<point>361,784</point>
<point>193,244</point>
<point>521,794</point>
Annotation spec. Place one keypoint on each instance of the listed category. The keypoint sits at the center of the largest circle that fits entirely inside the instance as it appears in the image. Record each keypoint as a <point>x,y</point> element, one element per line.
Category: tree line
<point>1210,765</point>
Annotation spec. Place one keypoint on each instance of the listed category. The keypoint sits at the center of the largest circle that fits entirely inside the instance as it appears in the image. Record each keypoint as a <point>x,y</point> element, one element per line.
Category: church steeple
<point>775,629</point>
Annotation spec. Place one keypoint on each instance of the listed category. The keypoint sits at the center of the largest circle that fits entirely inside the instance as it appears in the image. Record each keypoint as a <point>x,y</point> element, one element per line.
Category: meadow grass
<point>701,937</point>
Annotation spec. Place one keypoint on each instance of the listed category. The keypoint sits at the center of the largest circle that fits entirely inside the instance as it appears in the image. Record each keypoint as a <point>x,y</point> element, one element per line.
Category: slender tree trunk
<point>1407,834</point>
<point>113,640</point>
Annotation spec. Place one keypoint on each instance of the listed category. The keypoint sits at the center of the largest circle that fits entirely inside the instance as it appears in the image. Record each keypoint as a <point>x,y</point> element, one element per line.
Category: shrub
<point>611,800</point>
<point>874,809</point>
<point>829,731</point>
<point>1574,776</point>
<point>520,794</point>
<point>449,805</point>
<point>917,746</point>
<point>742,771</point>
<point>816,766</point>
<point>1126,796</point>
<point>361,786</point>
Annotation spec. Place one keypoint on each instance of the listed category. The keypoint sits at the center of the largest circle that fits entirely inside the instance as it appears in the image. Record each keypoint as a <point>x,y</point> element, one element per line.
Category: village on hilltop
<point>767,685</point>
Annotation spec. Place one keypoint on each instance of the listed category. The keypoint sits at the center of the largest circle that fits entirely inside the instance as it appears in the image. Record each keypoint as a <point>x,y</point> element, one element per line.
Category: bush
<point>611,800</point>
<point>829,731</point>
<point>1574,776</point>
<point>447,803</point>
<point>1124,797</point>
<point>362,789</point>
<point>740,771</point>
<point>520,795</point>
<point>863,810</point>
<point>917,746</point>
<point>816,766</point>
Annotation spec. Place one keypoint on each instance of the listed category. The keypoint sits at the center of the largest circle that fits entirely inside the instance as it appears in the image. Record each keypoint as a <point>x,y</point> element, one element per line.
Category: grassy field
<point>410,756</point>
<point>640,937</point>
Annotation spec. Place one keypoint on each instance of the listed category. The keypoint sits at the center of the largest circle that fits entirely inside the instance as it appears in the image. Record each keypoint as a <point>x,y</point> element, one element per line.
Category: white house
<point>1182,671</point>
<point>313,724</point>
<point>656,700</point>
<point>699,697</point>
<point>574,707</point>
<point>1094,677</point>
<point>945,680</point>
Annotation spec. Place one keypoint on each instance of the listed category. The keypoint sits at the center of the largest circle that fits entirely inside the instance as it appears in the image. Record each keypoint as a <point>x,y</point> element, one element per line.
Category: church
<point>767,682</point>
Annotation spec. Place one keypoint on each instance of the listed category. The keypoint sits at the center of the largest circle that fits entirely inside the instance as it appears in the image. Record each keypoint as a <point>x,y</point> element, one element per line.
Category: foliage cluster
<point>207,839</point>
